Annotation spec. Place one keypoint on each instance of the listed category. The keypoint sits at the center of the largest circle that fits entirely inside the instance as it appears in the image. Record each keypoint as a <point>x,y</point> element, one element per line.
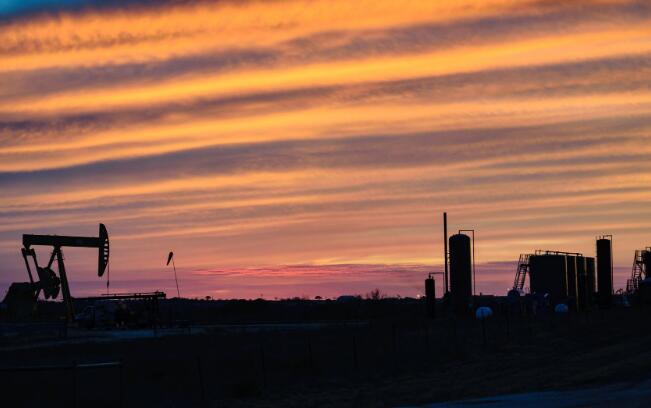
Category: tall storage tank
<point>572,281</point>
<point>548,275</point>
<point>460,272</point>
<point>591,278</point>
<point>604,272</point>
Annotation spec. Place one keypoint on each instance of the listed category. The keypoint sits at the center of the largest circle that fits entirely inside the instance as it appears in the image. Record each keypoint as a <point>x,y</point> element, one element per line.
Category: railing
<point>637,272</point>
<point>521,272</point>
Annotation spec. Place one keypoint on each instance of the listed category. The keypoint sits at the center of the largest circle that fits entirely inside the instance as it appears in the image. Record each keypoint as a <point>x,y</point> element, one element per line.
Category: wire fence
<point>74,369</point>
<point>227,366</point>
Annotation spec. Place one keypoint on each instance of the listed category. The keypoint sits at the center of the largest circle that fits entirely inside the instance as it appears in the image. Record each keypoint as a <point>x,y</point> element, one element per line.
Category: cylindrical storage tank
<point>646,258</point>
<point>644,292</point>
<point>548,275</point>
<point>591,279</point>
<point>430,297</point>
<point>460,272</point>
<point>604,272</point>
<point>572,282</point>
<point>581,283</point>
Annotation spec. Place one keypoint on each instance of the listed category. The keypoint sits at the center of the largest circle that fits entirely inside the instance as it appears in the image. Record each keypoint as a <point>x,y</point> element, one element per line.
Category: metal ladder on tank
<point>637,272</point>
<point>521,272</point>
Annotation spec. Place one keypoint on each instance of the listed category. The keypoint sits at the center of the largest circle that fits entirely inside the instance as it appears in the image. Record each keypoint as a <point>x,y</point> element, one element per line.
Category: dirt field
<point>374,363</point>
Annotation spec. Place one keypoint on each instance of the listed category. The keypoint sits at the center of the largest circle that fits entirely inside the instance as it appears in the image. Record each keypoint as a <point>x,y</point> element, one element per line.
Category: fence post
<point>427,360</point>
<point>201,383</point>
<point>394,341</point>
<point>310,355</point>
<point>355,362</point>
<point>394,344</point>
<point>508,326</point>
<point>263,366</point>
<point>455,337</point>
<point>74,384</point>
<point>121,380</point>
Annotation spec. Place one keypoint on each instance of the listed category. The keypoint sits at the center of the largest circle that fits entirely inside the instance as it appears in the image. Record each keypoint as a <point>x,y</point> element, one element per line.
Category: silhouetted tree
<point>375,294</point>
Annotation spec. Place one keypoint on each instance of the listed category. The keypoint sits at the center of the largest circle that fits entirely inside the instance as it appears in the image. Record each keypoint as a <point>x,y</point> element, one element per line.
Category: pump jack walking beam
<point>48,281</point>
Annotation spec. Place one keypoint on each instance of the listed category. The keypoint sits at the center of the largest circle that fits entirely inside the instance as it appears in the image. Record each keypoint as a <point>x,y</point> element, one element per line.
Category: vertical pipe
<point>474,285</point>
<point>612,266</point>
<point>445,249</point>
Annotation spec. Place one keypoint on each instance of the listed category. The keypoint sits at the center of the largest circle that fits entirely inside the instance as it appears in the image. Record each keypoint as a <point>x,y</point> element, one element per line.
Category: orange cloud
<point>261,134</point>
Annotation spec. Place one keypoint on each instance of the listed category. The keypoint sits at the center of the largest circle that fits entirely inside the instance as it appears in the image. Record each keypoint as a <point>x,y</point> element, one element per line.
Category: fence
<point>74,369</point>
<point>228,366</point>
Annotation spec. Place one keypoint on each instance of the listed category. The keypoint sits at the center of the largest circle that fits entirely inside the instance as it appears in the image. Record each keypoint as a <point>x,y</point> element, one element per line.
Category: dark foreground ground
<point>363,363</point>
<point>631,395</point>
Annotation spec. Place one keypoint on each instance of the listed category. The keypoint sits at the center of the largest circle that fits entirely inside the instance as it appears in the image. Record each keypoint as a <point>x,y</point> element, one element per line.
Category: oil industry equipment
<point>573,278</point>
<point>459,275</point>
<point>605,270</point>
<point>461,271</point>
<point>430,294</point>
<point>445,251</point>
<point>640,270</point>
<point>586,282</point>
<point>24,294</point>
<point>521,273</point>
<point>591,277</point>
<point>111,310</point>
<point>562,276</point>
<point>548,274</point>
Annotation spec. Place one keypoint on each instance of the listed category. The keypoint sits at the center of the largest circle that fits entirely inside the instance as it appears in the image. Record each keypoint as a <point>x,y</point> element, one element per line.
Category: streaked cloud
<point>308,147</point>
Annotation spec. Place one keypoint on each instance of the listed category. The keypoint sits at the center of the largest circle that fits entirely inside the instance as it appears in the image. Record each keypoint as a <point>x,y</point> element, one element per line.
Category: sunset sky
<point>289,148</point>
